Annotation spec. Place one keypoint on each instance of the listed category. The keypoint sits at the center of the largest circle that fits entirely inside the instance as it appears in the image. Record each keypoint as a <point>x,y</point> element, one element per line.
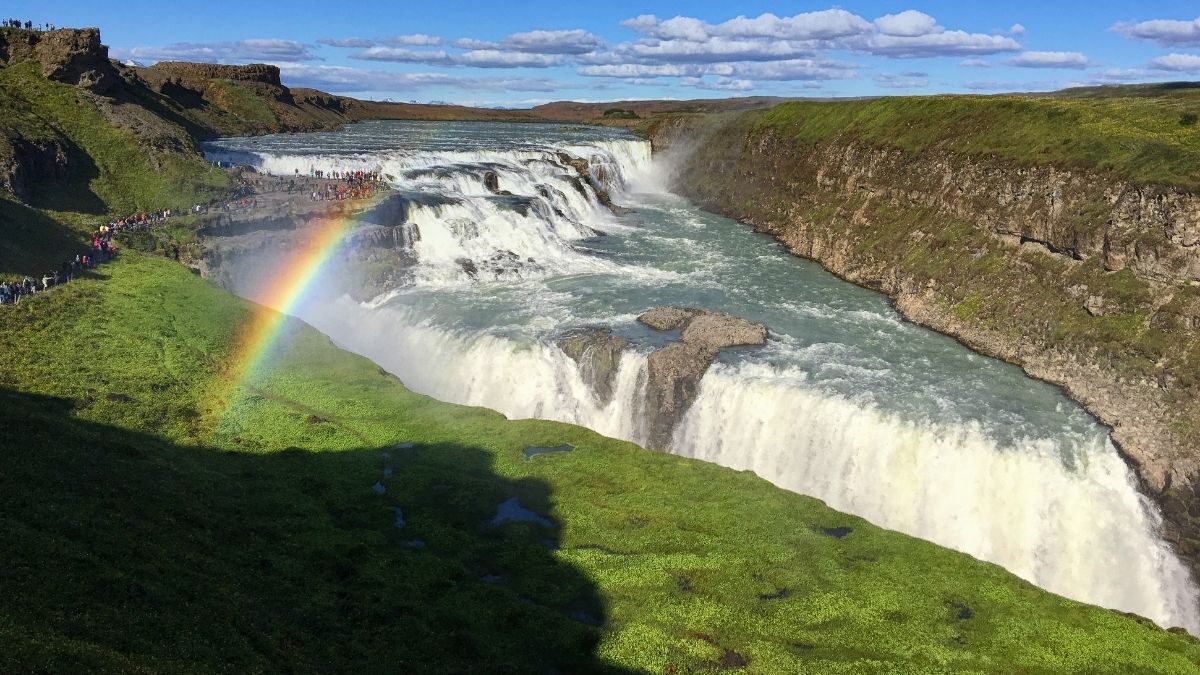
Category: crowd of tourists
<point>355,185</point>
<point>342,191</point>
<point>28,25</point>
<point>102,249</point>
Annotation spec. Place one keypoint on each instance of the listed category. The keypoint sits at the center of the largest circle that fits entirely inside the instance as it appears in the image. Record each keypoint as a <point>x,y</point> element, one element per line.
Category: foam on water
<point>848,403</point>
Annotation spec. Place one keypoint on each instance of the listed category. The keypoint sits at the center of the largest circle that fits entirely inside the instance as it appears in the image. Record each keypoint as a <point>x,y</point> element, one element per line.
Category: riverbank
<point>1085,280</point>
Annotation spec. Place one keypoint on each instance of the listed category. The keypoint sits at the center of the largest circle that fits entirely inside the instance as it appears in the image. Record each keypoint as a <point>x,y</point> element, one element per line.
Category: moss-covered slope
<point>156,519</point>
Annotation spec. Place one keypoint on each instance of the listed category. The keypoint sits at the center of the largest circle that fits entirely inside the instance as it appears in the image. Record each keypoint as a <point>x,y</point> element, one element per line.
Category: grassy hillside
<point>156,519</point>
<point>1148,138</point>
<point>108,170</point>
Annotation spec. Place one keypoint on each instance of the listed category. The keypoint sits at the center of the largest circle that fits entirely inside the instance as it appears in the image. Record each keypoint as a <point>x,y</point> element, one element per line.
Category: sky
<point>519,54</point>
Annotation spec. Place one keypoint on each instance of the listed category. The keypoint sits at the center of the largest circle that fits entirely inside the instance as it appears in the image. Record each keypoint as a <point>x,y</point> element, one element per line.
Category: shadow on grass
<point>124,550</point>
<point>74,193</point>
<point>31,242</point>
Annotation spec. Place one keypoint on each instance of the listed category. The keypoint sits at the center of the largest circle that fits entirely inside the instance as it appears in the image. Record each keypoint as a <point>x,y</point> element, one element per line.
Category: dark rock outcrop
<point>598,353</point>
<point>74,56</point>
<point>26,163</point>
<point>673,376</point>
<point>491,182</point>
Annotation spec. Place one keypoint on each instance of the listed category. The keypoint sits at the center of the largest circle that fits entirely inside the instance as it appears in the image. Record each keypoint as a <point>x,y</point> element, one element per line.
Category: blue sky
<point>524,53</point>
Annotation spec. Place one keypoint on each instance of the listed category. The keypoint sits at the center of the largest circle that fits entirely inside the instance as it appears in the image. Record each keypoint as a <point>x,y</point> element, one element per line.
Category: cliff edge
<point>1036,230</point>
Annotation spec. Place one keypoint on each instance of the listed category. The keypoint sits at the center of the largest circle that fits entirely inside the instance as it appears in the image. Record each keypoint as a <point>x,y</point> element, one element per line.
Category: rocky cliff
<point>1082,278</point>
<point>70,55</point>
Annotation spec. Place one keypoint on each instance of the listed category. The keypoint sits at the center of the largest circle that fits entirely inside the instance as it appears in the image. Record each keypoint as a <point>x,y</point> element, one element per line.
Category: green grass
<point>196,528</point>
<point>1140,138</point>
<point>110,171</point>
<point>240,102</point>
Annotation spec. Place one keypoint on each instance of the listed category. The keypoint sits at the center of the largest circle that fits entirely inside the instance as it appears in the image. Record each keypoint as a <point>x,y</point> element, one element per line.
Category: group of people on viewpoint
<point>356,185</point>
<point>102,249</point>
<point>28,25</point>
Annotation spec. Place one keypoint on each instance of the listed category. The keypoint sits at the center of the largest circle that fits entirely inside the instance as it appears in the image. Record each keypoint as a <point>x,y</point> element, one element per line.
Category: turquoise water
<point>848,402</point>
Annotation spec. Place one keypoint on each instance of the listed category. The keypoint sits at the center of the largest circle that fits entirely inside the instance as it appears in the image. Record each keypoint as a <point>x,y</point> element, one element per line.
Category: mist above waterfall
<point>512,246</point>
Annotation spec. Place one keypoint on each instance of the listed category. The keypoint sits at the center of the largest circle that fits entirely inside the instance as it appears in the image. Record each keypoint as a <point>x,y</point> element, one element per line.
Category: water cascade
<point>515,244</point>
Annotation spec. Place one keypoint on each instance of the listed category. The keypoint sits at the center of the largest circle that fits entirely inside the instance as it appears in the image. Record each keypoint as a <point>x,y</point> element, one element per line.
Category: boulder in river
<point>674,371</point>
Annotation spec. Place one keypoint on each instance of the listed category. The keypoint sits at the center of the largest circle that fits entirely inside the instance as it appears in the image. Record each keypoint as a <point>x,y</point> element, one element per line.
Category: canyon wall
<point>1083,279</point>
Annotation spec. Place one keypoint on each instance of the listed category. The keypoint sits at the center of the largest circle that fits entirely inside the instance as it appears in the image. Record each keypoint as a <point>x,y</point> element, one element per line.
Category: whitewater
<point>847,403</point>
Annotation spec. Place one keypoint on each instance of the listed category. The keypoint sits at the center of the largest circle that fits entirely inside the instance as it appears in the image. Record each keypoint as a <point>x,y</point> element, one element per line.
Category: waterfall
<point>1053,504</point>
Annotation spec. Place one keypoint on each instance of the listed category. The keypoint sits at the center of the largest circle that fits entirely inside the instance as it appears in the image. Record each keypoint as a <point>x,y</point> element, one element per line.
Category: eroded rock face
<point>674,371</point>
<point>673,375</point>
<point>71,55</point>
<point>598,353</point>
<point>832,202</point>
<point>25,163</point>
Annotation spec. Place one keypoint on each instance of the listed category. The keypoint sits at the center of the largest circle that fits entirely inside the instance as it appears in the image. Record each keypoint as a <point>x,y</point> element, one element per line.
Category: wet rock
<point>673,379</point>
<point>777,594</point>
<point>598,353</point>
<point>491,182</point>
<point>718,331</point>
<point>674,371</point>
<point>467,265</point>
<point>732,660</point>
<point>668,318</point>
<point>702,328</point>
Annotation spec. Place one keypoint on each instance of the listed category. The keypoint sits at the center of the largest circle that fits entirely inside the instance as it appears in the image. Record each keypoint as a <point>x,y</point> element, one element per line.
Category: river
<point>847,403</point>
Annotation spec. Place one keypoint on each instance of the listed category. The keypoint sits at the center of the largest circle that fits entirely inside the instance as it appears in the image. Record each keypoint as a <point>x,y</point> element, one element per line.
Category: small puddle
<point>510,511</point>
<point>533,451</point>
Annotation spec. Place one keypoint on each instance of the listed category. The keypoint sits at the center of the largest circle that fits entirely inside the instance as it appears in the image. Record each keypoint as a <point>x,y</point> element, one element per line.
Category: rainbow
<point>259,336</point>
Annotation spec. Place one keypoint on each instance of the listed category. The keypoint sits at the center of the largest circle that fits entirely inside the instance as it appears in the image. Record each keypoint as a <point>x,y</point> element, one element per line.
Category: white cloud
<point>822,25</point>
<point>641,71</point>
<point>714,50</point>
<point>414,40</point>
<point>1184,63</point>
<point>944,43</point>
<point>475,58</point>
<point>347,43</point>
<point>1166,32</point>
<point>402,55</point>
<point>242,51</point>
<point>1117,75</point>
<point>1074,60</point>
<point>1012,86</point>
<point>495,58</point>
<point>563,42</point>
<point>348,80</point>
<point>794,69</point>
<point>909,23</point>
<point>974,63</point>
<point>1016,29</point>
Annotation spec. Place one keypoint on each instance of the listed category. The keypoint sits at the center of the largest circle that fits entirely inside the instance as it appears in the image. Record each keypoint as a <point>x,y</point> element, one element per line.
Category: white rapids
<point>848,403</point>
